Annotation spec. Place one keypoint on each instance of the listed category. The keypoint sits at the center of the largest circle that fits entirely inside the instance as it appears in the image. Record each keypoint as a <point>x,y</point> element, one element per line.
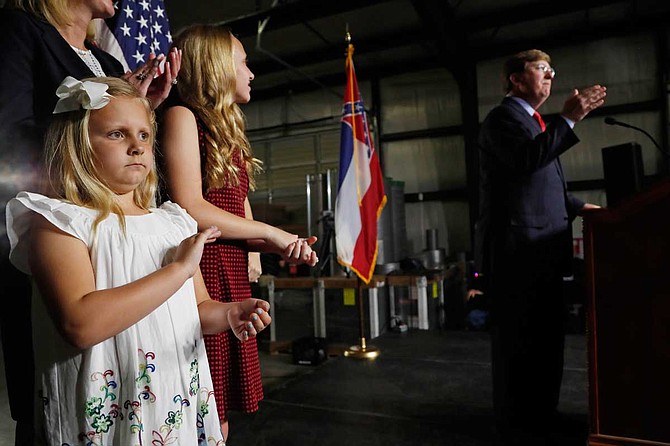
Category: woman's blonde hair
<point>56,12</point>
<point>207,84</point>
<point>70,159</point>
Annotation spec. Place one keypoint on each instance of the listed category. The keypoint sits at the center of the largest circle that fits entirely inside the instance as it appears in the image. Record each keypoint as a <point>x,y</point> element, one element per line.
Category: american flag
<point>138,28</point>
<point>360,196</point>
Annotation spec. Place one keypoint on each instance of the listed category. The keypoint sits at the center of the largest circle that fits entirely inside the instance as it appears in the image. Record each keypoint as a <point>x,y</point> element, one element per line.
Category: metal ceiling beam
<point>632,24</point>
<point>526,13</point>
<point>294,13</point>
<point>339,79</point>
<point>395,39</point>
<point>440,23</point>
<point>575,36</point>
<point>440,28</point>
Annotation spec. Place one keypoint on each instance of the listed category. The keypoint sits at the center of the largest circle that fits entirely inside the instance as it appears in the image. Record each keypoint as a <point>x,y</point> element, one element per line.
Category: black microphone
<point>611,121</point>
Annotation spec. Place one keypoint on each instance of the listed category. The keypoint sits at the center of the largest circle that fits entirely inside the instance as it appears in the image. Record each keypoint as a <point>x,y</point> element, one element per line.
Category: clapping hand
<point>156,89</point>
<point>582,102</point>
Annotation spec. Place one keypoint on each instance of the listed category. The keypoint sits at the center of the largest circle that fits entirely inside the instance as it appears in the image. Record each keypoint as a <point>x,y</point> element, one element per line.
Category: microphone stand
<point>612,121</point>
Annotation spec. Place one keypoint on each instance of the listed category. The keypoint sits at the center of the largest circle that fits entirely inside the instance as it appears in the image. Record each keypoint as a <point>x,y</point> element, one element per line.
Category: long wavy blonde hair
<point>207,84</point>
<point>70,159</point>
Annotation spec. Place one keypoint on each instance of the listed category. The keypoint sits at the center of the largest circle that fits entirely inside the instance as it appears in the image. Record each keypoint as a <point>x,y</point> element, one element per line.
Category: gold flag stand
<point>362,350</point>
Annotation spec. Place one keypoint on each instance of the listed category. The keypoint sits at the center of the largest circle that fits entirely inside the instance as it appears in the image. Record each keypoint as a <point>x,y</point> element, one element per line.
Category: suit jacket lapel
<point>534,127</point>
<point>527,119</point>
<point>63,53</point>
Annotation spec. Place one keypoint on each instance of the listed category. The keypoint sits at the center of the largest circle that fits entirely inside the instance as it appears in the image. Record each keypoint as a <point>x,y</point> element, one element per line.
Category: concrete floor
<point>426,388</point>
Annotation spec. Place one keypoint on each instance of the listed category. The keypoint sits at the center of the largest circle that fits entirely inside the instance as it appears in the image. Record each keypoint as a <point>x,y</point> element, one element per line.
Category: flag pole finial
<point>347,39</point>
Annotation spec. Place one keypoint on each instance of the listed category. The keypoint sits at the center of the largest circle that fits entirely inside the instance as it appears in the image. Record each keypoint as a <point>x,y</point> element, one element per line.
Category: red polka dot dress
<point>234,364</point>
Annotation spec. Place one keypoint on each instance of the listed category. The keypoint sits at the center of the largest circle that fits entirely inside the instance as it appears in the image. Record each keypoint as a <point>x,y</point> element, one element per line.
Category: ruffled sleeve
<point>179,217</point>
<point>67,217</point>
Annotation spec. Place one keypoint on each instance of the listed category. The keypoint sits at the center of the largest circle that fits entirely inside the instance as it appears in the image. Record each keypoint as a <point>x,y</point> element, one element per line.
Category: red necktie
<point>539,120</point>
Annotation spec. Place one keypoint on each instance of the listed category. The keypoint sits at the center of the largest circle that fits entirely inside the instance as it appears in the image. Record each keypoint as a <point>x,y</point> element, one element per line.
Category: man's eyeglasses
<point>545,69</point>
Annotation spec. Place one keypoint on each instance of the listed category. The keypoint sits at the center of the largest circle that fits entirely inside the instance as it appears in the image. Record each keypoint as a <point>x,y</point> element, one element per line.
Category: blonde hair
<point>207,84</point>
<point>56,12</point>
<point>70,159</point>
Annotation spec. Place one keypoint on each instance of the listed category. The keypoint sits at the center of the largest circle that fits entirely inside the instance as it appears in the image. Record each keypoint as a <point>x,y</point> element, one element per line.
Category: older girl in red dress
<point>210,168</point>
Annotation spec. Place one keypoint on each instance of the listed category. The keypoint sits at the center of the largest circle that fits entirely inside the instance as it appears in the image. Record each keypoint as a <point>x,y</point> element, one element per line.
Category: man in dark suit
<point>523,242</point>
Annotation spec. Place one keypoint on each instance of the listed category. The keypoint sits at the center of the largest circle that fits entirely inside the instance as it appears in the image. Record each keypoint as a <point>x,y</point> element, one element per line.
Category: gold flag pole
<point>362,350</point>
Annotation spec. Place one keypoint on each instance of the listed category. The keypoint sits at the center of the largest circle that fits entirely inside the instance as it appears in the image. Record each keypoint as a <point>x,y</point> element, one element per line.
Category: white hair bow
<point>75,95</point>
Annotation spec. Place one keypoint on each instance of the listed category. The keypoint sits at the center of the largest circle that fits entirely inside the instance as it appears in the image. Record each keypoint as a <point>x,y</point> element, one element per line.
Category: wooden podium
<point>627,255</point>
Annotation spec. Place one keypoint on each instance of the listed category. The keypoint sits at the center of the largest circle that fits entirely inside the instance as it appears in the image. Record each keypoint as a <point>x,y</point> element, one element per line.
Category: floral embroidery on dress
<point>166,433</point>
<point>142,381</point>
<point>215,442</point>
<point>135,417</point>
<point>204,397</point>
<point>145,366</point>
<point>99,418</point>
<point>195,378</point>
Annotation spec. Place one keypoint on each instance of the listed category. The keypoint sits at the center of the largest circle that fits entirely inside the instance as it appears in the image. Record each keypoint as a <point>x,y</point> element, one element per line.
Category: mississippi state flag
<point>360,196</point>
<point>138,28</point>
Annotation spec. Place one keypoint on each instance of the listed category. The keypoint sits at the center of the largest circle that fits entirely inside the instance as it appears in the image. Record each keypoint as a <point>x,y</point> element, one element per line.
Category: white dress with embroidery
<point>148,385</point>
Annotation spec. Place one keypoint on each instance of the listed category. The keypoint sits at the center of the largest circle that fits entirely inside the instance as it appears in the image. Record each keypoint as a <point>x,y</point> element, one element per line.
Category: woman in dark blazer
<point>41,42</point>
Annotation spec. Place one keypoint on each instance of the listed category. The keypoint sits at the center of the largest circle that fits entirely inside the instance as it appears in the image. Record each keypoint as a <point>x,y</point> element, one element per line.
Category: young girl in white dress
<point>120,306</point>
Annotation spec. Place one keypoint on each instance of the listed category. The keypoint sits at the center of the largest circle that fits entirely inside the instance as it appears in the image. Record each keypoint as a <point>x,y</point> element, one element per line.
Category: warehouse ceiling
<point>299,45</point>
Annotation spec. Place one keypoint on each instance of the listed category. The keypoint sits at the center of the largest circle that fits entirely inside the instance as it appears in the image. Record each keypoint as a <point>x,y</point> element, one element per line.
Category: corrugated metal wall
<point>428,100</point>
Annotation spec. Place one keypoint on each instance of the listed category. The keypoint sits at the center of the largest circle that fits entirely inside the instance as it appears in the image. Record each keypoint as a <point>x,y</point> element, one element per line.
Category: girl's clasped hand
<point>301,251</point>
